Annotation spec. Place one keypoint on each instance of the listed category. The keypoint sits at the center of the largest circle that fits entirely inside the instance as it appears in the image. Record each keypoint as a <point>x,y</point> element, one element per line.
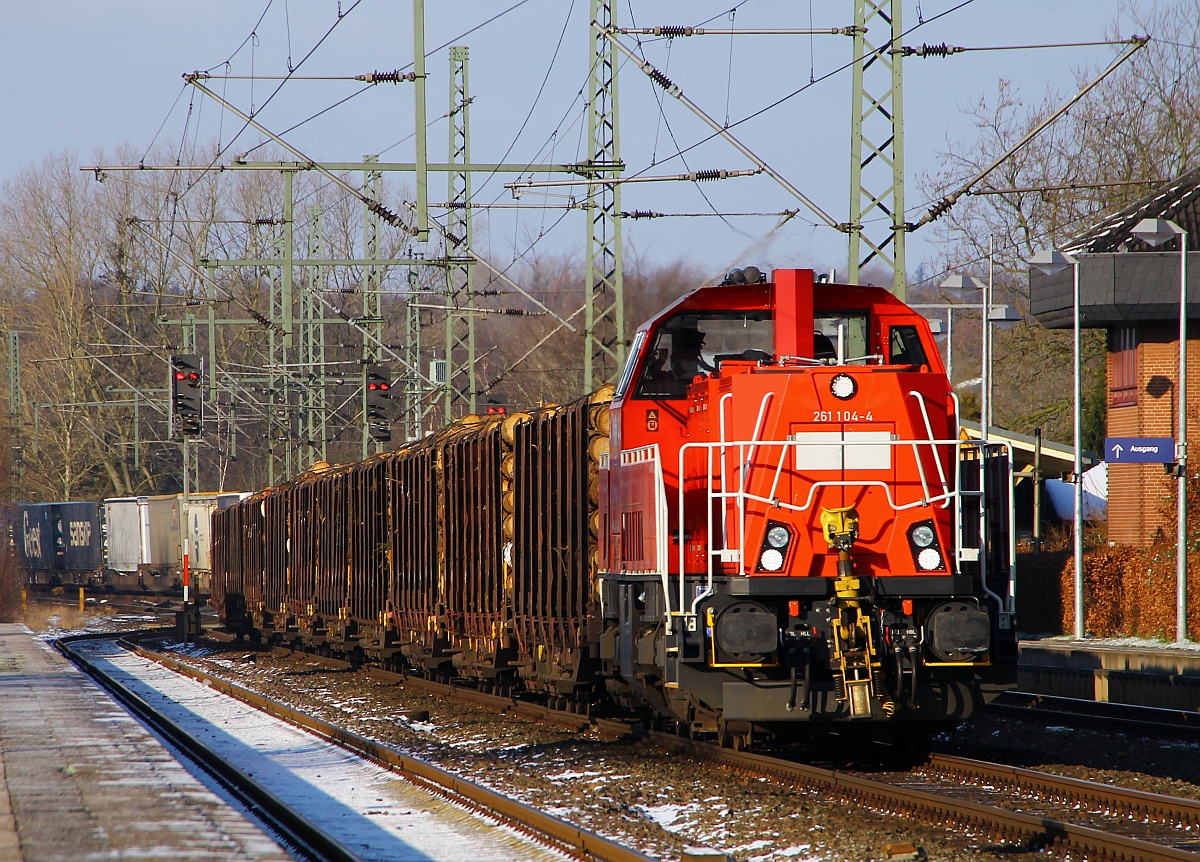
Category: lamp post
<point>1051,262</point>
<point>1155,232</point>
<point>959,287</point>
<point>1002,316</point>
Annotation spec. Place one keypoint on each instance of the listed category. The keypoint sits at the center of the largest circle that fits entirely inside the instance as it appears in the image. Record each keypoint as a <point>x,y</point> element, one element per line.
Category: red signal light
<point>383,387</point>
<point>372,385</point>
<point>179,375</point>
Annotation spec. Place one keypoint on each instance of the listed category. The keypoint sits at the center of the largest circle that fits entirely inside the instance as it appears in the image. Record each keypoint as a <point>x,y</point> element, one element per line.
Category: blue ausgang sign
<point>1139,450</point>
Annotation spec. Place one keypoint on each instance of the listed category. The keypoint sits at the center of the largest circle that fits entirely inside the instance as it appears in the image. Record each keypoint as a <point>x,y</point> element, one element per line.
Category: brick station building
<point>1131,290</point>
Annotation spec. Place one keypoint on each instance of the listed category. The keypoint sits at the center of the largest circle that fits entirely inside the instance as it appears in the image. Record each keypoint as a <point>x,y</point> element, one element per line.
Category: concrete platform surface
<point>81,780</point>
<point>1138,674</point>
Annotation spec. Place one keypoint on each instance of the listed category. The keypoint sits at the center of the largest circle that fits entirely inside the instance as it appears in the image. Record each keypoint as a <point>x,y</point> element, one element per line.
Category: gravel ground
<point>660,802</point>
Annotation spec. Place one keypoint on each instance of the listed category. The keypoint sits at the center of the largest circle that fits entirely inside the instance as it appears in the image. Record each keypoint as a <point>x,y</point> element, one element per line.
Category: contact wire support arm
<point>673,89</point>
<point>1136,43</point>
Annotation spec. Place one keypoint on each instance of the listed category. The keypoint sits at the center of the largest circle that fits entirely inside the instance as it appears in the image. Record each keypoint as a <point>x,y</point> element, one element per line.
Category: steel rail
<point>1138,804</point>
<point>534,823</point>
<point>1107,713</point>
<point>1035,831</point>
<point>310,841</point>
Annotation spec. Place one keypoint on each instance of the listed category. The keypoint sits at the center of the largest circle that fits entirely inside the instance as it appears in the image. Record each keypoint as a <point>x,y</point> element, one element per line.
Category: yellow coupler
<point>857,673</point>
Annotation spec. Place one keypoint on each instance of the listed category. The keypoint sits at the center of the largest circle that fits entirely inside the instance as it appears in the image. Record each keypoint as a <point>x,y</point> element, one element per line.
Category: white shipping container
<point>200,508</point>
<point>122,522</point>
<point>148,532</point>
<point>161,534</point>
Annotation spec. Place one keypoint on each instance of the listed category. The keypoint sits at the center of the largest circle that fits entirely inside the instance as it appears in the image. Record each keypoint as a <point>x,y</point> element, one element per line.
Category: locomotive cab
<point>791,530</point>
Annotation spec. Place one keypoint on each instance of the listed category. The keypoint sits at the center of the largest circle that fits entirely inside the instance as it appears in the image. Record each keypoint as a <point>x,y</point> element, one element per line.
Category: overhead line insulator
<point>394,77</point>
<point>926,50</point>
<point>662,80</point>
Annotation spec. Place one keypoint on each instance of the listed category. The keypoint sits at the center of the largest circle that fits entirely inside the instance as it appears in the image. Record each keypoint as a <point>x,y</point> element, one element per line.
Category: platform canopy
<point>1121,278</point>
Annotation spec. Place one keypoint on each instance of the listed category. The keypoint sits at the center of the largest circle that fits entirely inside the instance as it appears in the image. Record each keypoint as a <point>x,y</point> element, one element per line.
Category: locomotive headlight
<point>929,559</point>
<point>923,536</point>
<point>843,387</point>
<point>771,560</point>
<point>778,536</point>
<point>923,542</point>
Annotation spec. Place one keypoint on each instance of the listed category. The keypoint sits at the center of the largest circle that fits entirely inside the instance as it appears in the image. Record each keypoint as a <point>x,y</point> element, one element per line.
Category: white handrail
<point>929,430</point>
<point>741,496</point>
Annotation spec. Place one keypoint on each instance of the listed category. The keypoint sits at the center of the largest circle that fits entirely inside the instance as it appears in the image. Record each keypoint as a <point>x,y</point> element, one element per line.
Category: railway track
<point>1134,805</point>
<point>1048,707</point>
<point>1130,810</point>
<point>302,838</point>
<point>311,840</point>
<point>1031,831</point>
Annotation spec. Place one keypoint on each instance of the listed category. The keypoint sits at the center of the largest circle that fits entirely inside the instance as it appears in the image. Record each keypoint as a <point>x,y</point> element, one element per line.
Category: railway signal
<point>185,394</point>
<point>378,386</point>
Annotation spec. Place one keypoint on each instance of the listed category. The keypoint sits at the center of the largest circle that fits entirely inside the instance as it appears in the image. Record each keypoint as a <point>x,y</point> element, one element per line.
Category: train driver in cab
<point>687,355</point>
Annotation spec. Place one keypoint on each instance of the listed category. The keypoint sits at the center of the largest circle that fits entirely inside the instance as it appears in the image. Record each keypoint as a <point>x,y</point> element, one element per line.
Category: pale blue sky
<point>86,77</point>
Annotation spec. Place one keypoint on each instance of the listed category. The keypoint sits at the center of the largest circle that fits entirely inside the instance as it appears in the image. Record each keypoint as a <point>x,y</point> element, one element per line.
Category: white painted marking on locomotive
<point>843,450</point>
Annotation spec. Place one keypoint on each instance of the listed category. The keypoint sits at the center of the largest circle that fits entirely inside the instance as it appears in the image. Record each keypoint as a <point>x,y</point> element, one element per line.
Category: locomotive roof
<point>753,297</point>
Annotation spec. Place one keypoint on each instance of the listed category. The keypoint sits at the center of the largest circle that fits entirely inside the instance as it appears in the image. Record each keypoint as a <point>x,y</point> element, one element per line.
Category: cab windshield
<point>850,326</point>
<point>692,343</point>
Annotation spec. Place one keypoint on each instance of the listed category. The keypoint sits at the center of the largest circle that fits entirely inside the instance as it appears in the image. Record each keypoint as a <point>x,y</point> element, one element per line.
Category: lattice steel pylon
<point>604,321</point>
<point>281,447</point>
<point>313,430</point>
<point>414,407</point>
<point>461,380</point>
<point>372,300</point>
<point>17,460</point>
<point>877,143</point>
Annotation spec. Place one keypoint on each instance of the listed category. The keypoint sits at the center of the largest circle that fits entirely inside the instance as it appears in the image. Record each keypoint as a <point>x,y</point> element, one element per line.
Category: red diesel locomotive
<point>773,525</point>
<point>792,530</point>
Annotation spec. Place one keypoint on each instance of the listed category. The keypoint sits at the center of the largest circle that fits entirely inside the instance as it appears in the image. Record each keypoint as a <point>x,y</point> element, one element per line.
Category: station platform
<point>82,780</point>
<point>1142,674</point>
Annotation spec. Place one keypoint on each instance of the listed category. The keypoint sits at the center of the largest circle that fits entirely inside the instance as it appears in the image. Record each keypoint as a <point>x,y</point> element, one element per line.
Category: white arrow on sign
<point>1117,450</point>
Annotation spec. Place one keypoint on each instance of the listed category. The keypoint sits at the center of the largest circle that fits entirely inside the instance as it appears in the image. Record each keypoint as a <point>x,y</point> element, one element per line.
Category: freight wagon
<point>59,543</point>
<point>145,540</point>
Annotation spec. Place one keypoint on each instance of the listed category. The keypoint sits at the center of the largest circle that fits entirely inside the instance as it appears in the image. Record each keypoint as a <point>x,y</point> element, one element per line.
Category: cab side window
<point>697,342</point>
<point>905,347</point>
